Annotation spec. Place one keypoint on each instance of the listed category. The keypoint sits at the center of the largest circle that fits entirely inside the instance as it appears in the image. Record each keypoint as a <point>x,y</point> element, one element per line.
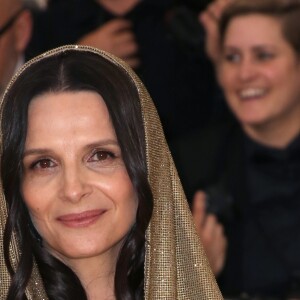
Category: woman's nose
<point>75,185</point>
<point>247,70</point>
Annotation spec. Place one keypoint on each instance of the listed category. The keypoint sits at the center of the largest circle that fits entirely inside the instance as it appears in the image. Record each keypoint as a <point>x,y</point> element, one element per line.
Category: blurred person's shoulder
<point>197,155</point>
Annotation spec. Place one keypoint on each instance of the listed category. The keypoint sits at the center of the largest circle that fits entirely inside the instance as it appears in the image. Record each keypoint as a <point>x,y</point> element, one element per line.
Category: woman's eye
<point>101,156</point>
<point>43,164</point>
<point>264,55</point>
<point>232,57</point>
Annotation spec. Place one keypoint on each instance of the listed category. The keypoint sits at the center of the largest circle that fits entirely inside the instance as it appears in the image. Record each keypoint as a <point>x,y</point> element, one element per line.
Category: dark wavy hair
<point>286,11</point>
<point>74,71</point>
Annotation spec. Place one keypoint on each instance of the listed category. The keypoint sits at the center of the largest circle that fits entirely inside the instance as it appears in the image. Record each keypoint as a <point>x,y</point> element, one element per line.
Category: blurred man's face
<point>15,32</point>
<point>8,51</point>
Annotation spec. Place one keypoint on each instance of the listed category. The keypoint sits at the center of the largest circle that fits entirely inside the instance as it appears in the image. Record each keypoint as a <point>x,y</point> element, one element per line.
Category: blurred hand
<point>210,20</point>
<point>117,38</point>
<point>210,232</point>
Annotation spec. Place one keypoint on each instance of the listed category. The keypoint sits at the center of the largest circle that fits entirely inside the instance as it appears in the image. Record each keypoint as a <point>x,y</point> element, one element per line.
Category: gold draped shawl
<point>175,263</point>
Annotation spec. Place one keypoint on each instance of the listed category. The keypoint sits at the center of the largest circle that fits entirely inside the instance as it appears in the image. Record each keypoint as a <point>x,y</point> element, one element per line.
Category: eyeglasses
<point>10,22</point>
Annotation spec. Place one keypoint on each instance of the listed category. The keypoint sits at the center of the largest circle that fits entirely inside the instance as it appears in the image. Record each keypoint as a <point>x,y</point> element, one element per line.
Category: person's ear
<point>23,30</point>
<point>219,73</point>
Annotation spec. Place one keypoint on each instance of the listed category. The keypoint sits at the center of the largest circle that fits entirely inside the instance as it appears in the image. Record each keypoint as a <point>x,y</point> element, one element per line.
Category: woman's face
<point>259,72</point>
<point>75,184</point>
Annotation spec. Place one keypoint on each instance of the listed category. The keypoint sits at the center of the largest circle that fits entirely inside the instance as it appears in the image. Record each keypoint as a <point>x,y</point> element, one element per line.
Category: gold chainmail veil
<point>175,264</point>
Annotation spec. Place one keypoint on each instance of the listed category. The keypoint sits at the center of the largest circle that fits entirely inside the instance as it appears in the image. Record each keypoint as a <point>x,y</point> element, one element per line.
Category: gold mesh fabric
<point>175,263</point>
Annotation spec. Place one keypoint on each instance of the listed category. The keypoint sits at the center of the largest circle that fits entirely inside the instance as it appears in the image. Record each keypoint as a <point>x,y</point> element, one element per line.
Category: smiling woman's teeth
<point>251,93</point>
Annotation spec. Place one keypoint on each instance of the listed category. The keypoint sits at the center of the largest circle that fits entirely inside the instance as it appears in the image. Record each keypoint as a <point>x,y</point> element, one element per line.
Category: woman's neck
<point>275,134</point>
<point>96,276</point>
<point>118,7</point>
<point>101,287</point>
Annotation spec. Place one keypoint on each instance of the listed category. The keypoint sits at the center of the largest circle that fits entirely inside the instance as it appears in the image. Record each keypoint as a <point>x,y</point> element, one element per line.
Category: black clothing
<point>260,187</point>
<point>178,77</point>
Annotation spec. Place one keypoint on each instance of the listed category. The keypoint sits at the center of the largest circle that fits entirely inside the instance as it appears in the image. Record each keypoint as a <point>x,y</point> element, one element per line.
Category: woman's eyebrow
<point>100,143</point>
<point>36,151</point>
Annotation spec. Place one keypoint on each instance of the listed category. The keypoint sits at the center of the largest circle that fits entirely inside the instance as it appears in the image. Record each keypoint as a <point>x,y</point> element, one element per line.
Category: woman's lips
<point>83,219</point>
<point>252,93</point>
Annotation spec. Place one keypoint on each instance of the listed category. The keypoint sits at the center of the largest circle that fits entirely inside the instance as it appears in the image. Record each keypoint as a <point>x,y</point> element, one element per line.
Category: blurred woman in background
<point>248,171</point>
